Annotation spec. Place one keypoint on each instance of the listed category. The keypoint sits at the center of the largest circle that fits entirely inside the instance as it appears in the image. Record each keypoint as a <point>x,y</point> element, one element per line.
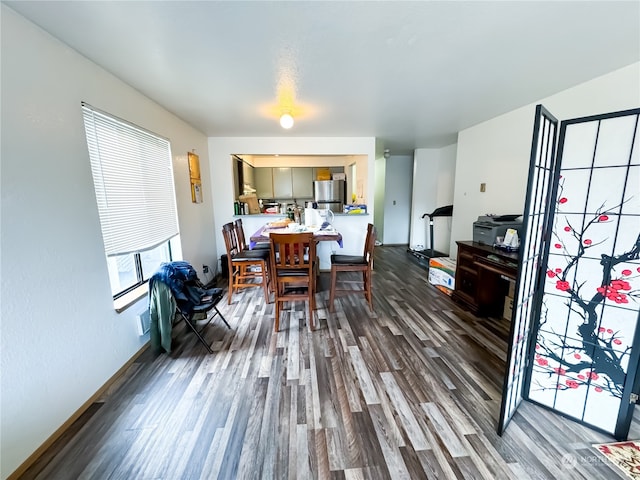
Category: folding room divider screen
<point>579,279</point>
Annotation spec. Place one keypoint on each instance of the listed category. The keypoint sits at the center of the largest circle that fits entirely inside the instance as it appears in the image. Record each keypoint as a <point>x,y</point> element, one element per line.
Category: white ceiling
<point>409,73</point>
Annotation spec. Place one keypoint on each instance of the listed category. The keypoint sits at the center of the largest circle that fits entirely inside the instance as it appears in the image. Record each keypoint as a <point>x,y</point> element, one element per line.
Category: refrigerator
<point>330,194</point>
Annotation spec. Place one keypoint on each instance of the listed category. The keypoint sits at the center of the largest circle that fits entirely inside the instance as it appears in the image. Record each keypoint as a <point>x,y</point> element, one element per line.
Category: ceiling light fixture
<point>286,121</point>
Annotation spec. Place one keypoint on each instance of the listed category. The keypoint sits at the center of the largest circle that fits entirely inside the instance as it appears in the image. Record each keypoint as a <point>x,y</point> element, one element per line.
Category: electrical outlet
<point>205,268</point>
<point>483,187</point>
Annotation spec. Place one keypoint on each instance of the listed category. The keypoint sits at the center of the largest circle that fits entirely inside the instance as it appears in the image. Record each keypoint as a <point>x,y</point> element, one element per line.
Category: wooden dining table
<point>262,234</point>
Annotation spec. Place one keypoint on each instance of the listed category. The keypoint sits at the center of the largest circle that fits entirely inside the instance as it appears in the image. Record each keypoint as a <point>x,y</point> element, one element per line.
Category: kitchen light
<point>286,121</point>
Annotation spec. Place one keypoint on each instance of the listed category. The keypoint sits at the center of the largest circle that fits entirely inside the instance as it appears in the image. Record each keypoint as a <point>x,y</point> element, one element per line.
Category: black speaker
<point>224,266</point>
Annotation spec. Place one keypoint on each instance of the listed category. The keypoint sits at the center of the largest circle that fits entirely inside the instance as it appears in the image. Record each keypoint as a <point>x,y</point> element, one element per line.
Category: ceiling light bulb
<point>286,121</point>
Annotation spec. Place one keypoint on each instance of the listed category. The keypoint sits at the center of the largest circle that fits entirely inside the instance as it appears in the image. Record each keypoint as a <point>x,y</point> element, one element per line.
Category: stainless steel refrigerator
<point>330,194</point>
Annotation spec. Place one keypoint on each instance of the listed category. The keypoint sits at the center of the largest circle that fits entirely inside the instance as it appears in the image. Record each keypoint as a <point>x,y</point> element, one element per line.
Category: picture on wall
<point>194,177</point>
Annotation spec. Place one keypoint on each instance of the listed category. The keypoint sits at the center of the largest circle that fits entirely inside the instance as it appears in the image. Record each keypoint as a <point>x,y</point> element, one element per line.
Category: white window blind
<point>133,177</point>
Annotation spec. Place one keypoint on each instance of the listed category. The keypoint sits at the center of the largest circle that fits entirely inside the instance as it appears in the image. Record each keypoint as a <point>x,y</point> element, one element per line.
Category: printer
<point>489,227</point>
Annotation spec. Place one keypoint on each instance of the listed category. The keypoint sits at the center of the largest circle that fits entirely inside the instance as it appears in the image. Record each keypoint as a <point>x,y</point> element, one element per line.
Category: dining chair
<point>354,263</point>
<point>292,267</point>
<point>245,266</point>
<point>242,240</point>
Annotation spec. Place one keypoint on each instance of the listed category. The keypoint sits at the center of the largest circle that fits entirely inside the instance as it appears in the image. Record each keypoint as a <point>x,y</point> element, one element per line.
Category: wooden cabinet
<point>482,275</point>
<point>247,176</point>
<point>264,182</point>
<point>302,182</point>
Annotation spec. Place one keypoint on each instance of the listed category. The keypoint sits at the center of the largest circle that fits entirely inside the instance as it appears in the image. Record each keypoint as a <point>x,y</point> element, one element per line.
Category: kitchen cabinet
<point>263,177</point>
<point>247,177</point>
<point>282,186</point>
<point>302,182</point>
<point>284,183</point>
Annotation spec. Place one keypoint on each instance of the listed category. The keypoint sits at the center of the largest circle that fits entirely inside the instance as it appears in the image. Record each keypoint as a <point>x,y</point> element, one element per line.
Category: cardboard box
<point>252,201</point>
<point>512,288</point>
<point>508,307</point>
<point>442,272</point>
<point>323,174</point>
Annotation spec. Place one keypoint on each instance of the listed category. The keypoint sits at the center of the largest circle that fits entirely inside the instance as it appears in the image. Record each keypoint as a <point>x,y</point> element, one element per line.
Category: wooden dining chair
<point>354,263</point>
<point>242,240</point>
<point>245,266</point>
<point>292,267</point>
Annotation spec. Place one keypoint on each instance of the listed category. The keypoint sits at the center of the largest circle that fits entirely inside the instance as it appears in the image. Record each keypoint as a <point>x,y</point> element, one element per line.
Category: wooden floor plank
<point>410,390</point>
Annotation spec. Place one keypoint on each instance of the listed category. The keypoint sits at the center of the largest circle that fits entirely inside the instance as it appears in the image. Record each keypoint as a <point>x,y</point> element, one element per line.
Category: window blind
<point>133,178</point>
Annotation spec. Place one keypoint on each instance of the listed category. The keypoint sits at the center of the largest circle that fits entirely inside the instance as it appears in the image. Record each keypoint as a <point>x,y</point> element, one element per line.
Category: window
<point>133,180</point>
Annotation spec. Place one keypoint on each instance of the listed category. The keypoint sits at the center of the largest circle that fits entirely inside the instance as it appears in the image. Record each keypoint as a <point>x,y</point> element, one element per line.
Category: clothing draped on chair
<point>354,263</point>
<point>245,266</point>
<point>292,264</point>
<point>175,287</point>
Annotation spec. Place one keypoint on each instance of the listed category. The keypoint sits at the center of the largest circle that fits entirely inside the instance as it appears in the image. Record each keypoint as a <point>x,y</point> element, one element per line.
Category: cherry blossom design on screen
<point>587,353</point>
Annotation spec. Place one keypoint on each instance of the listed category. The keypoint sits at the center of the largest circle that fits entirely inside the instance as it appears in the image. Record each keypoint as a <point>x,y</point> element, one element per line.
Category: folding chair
<point>175,289</point>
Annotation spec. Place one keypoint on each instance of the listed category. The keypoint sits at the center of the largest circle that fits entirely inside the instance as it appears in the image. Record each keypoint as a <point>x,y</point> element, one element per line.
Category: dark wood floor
<point>411,391</point>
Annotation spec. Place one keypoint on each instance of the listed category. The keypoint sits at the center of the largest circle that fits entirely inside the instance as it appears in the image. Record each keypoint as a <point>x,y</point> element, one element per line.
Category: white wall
<point>497,151</point>
<point>379,195</point>
<point>398,183</point>
<point>221,149</point>
<point>434,171</point>
<point>61,338</point>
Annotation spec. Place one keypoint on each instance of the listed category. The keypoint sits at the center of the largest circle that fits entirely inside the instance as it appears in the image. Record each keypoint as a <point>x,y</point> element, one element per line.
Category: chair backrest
<point>369,243</point>
<point>242,243</point>
<point>230,239</point>
<point>293,251</point>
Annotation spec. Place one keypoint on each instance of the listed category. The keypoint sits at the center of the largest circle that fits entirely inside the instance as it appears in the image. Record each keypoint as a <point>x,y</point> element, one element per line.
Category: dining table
<point>328,233</point>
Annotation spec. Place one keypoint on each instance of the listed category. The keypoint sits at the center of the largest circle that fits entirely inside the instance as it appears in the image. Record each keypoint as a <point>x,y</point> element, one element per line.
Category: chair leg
<point>333,289</point>
<point>265,282</point>
<point>223,319</point>
<point>195,330</point>
<point>231,279</point>
<point>277,323</point>
<point>367,287</point>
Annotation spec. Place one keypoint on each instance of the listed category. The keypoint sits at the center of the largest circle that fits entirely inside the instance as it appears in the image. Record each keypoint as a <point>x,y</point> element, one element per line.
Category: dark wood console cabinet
<point>482,275</point>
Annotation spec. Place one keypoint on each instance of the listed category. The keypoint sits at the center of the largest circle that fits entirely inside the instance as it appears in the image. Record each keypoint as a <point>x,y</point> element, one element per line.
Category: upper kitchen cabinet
<point>302,182</point>
<point>282,185</point>
<point>263,177</point>
<point>247,177</point>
